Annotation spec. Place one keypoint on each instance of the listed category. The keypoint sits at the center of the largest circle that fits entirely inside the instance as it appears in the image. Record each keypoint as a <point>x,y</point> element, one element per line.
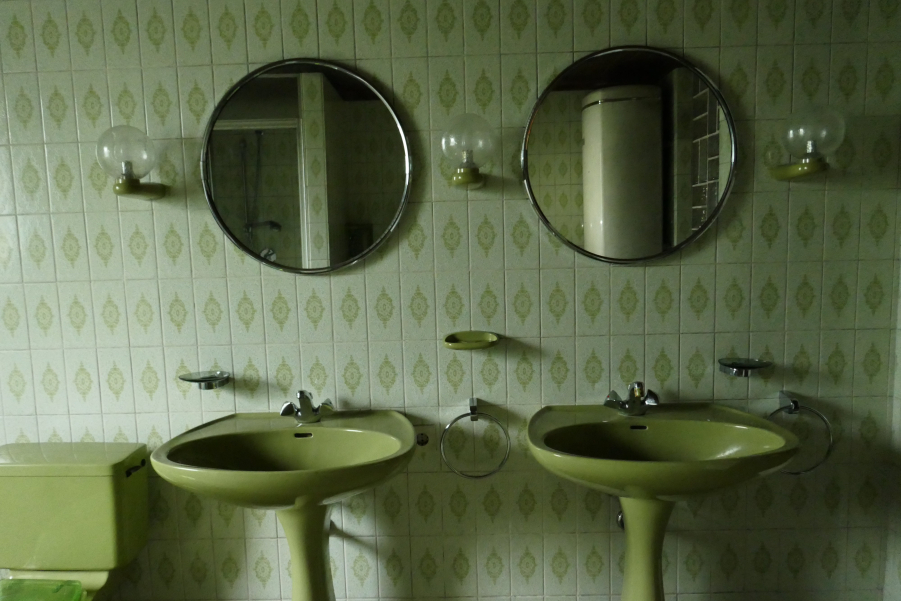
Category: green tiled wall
<point>104,301</point>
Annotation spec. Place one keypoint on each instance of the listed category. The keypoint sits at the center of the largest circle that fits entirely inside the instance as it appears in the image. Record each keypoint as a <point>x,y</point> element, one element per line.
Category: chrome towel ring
<point>792,406</point>
<point>474,415</point>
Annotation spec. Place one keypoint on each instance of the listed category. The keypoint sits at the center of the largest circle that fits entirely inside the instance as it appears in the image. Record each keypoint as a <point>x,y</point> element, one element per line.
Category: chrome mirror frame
<point>524,164</point>
<point>324,66</point>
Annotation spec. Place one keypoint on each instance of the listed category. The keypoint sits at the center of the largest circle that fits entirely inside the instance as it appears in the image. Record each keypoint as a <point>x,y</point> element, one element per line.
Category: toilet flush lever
<point>135,468</point>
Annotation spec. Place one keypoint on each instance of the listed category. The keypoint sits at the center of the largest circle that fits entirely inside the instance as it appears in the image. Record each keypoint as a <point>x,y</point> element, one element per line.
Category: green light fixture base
<point>468,177</point>
<point>806,168</point>
<point>133,188</point>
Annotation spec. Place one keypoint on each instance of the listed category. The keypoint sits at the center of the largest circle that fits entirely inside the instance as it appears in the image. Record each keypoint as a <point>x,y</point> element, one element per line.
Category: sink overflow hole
<point>638,427</point>
<point>303,434</point>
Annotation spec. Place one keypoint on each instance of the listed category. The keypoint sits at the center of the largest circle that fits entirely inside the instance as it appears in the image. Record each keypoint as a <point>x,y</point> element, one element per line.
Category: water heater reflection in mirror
<point>623,171</point>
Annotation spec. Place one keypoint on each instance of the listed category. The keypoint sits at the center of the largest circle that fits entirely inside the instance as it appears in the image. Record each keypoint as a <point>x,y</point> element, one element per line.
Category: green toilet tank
<point>72,506</point>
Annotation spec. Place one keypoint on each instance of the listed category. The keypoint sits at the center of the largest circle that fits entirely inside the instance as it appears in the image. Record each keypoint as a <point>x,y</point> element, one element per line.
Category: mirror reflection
<point>305,166</point>
<point>629,154</point>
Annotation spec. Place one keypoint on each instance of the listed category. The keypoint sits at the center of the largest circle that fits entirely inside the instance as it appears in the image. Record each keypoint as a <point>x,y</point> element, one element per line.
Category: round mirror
<point>305,166</point>
<point>629,154</point>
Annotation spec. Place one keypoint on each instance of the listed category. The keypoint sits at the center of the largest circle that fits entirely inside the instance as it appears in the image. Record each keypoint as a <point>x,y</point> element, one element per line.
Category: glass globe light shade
<point>815,130</point>
<point>125,144</point>
<point>472,134</point>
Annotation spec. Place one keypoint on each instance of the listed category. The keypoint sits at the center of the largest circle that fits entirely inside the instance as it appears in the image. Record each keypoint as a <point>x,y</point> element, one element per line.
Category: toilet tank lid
<point>69,458</point>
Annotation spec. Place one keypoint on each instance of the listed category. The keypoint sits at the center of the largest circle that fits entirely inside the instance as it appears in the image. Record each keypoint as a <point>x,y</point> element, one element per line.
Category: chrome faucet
<point>303,411</point>
<point>637,400</point>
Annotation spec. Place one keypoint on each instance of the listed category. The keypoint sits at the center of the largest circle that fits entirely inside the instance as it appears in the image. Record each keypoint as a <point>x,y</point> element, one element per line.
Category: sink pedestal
<point>645,525</point>
<point>306,529</point>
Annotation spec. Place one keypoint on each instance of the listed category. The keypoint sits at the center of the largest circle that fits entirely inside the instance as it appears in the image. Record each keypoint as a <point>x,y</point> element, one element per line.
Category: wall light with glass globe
<point>469,142</point>
<point>127,154</point>
<point>810,135</point>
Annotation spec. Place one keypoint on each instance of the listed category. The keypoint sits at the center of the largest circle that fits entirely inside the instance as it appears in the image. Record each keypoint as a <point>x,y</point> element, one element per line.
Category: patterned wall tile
<point>775,22</point>
<point>156,34</point>
<point>300,35</point>
<point>120,33</point>
<point>85,35</point>
<point>336,38</point>
<point>212,311</point>
<point>698,301</point>
<point>191,32</point>
<point>372,28</point>
<point>7,205</point>
<point>813,22</point>
<point>774,78</point>
<point>228,37</point>
<point>109,312</point>
<point>76,316</point>
<point>417,251</point>
<point>811,80</point>
<point>702,23</point>
<point>36,248</point>
<point>143,313</point>
<point>251,392</point>
<point>58,107</point>
<point>29,179</point>
<point>849,21</point>
<point>626,21</point>
<point>10,261</point>
<point>696,367</point>
<point>64,174</point>
<point>518,88</point>
<point>882,90</point>
<point>247,311</point>
<point>70,247</point>
<point>18,46</point>
<point>51,35</point>
<point>591,24</point>
<point>150,391</point>
<point>138,249</point>
<point>264,31</point>
<point>555,26</point>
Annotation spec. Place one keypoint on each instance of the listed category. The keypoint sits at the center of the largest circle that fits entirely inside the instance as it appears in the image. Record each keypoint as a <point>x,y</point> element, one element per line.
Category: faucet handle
<point>287,409</point>
<point>304,403</point>
<point>326,405</point>
<point>636,390</point>
<point>614,397</point>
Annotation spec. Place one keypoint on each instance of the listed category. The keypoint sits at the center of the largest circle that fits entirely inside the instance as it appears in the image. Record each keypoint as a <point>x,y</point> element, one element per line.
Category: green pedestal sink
<point>653,460</point>
<point>269,462</point>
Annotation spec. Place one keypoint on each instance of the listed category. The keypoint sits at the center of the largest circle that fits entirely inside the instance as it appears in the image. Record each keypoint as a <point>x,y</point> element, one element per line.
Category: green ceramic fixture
<point>298,470</point>
<point>652,460</point>
<point>72,515</point>
<point>471,340</point>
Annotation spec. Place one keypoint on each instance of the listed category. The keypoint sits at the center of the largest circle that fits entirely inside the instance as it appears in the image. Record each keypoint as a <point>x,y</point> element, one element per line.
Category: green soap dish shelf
<point>471,340</point>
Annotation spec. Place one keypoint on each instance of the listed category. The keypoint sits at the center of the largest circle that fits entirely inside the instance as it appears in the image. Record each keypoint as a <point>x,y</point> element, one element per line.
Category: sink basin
<point>673,451</point>
<point>265,461</point>
<point>650,461</point>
